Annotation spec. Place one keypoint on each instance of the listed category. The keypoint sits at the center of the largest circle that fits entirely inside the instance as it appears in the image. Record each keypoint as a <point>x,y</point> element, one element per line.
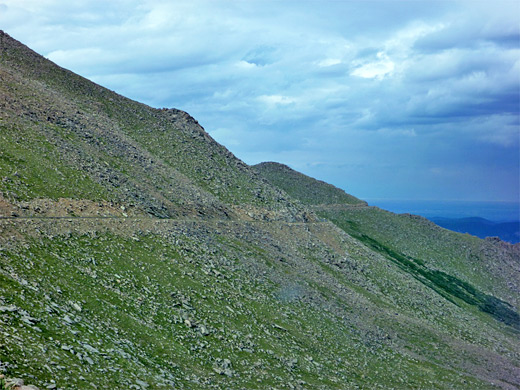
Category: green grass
<point>131,295</point>
<point>31,167</point>
<point>304,188</point>
<point>449,286</point>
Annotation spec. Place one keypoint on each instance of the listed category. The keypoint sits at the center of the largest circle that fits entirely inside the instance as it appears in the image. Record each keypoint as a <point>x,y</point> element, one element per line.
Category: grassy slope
<point>117,302</point>
<point>110,308</point>
<point>490,267</point>
<point>413,242</point>
<point>304,188</point>
<point>462,269</point>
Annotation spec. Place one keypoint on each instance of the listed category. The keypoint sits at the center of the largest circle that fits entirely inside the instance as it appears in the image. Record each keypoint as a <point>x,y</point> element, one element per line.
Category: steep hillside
<point>308,190</point>
<point>490,265</point>
<point>64,136</point>
<point>420,247</point>
<point>137,253</point>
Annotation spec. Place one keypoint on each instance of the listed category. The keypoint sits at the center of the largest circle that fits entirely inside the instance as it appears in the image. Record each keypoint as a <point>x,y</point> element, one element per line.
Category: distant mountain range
<point>480,227</point>
<point>138,253</point>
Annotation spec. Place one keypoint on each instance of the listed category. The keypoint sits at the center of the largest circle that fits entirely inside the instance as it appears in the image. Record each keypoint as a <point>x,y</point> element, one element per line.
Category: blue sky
<point>385,99</point>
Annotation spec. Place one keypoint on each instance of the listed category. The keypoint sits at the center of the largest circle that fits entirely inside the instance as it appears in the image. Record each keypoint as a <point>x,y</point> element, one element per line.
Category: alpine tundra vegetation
<point>138,253</point>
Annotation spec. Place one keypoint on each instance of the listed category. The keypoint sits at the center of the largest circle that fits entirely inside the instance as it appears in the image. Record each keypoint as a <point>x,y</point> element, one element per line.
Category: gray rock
<point>29,320</point>
<point>203,330</point>
<point>291,363</point>
<point>141,383</point>
<point>67,320</point>
<point>90,348</point>
<point>189,323</point>
<point>8,309</point>
<point>223,367</point>
<point>14,382</point>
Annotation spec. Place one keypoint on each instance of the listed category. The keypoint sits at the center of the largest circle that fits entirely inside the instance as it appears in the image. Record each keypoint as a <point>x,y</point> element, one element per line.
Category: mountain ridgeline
<point>483,228</point>
<point>138,253</point>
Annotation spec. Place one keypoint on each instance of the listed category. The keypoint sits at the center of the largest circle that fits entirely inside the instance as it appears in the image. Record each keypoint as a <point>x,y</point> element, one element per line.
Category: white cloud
<point>245,65</point>
<point>329,62</point>
<point>377,69</point>
<point>275,99</point>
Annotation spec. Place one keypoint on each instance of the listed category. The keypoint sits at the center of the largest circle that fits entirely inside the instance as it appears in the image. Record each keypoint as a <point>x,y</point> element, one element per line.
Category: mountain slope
<point>304,188</point>
<point>136,252</point>
<point>491,266</point>
<point>57,125</point>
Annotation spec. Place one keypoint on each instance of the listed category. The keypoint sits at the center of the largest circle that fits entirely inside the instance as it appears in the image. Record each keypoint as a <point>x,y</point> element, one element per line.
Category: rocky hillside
<point>490,264</point>
<point>66,137</point>
<point>307,189</point>
<point>137,253</point>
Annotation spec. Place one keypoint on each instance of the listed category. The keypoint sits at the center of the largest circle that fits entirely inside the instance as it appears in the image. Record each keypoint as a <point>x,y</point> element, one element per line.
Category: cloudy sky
<point>386,99</point>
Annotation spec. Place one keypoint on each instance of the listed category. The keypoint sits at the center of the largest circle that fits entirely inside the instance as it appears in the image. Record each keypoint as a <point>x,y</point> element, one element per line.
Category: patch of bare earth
<point>65,208</point>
